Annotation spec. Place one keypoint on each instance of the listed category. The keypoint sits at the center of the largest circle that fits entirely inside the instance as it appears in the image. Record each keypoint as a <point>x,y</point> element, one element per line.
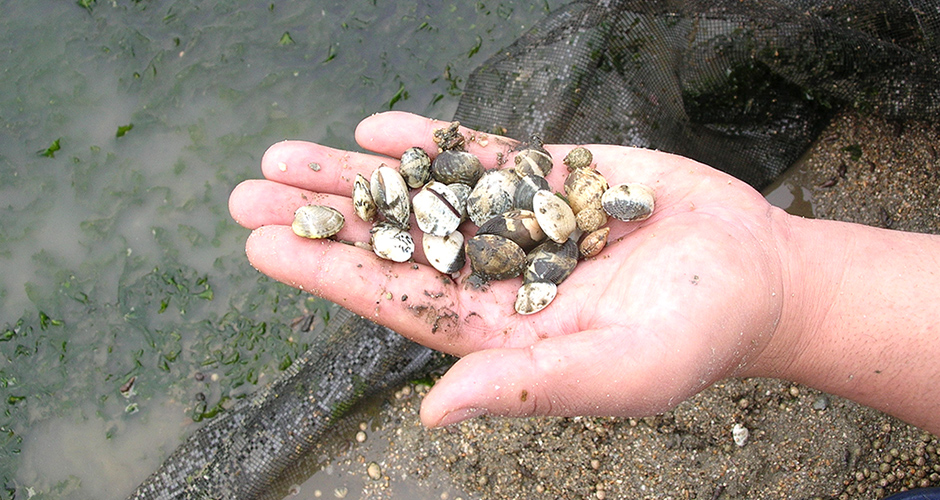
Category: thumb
<point>579,374</point>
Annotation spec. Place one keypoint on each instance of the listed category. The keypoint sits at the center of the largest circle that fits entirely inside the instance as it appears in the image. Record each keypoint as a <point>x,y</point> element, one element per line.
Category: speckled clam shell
<point>628,202</point>
<point>445,253</point>
<point>390,194</point>
<point>590,219</point>
<point>533,297</point>
<point>534,159</point>
<point>492,195</point>
<point>392,243</point>
<point>551,261</point>
<point>494,257</point>
<point>594,242</point>
<point>362,199</point>
<point>317,221</point>
<point>526,189</point>
<point>519,226</point>
<point>437,209</point>
<point>456,166</point>
<point>578,157</point>
<point>554,215</point>
<point>585,187</point>
<point>415,167</point>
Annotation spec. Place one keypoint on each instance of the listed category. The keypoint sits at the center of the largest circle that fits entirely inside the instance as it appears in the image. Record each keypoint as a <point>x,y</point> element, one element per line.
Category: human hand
<point>674,303</point>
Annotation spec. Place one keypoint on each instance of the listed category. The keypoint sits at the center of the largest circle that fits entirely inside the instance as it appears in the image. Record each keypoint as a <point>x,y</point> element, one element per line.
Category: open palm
<point>674,303</point>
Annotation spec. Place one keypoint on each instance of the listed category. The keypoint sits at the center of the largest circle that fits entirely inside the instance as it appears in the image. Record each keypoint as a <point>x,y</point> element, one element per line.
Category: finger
<point>318,168</point>
<point>587,373</point>
<point>412,299</point>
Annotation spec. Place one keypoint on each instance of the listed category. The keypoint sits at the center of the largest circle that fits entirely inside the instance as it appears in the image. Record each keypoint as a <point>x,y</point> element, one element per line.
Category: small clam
<point>578,157</point>
<point>492,195</point>
<point>390,194</point>
<point>533,297</point>
<point>590,219</point>
<point>493,258</point>
<point>554,215</point>
<point>317,221</point>
<point>585,187</point>
<point>362,199</point>
<point>457,166</point>
<point>437,209</point>
<point>519,226</point>
<point>534,159</point>
<point>526,189</point>
<point>463,193</point>
<point>594,242</point>
<point>551,261</point>
<point>392,243</point>
<point>628,202</point>
<point>445,253</point>
<point>415,167</point>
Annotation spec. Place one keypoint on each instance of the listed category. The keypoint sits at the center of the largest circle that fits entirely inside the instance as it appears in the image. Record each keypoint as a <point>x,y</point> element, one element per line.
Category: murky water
<point>126,124</point>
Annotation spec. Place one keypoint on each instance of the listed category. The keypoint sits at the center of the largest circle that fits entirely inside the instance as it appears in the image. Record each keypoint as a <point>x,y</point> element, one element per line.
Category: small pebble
<point>740,434</point>
<point>360,437</point>
<point>282,167</point>
<point>794,391</point>
<point>314,166</point>
<point>821,403</point>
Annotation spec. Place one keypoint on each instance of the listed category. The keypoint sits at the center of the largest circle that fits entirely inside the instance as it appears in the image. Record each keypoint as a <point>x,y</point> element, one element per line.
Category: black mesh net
<point>742,85</point>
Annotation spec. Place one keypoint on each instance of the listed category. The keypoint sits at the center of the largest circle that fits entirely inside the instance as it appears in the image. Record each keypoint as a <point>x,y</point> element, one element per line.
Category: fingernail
<point>460,415</point>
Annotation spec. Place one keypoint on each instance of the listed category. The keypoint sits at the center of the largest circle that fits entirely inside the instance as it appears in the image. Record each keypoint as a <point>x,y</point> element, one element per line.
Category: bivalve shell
<point>590,219</point>
<point>492,195</point>
<point>390,194</point>
<point>551,261</point>
<point>628,202</point>
<point>526,189</point>
<point>533,297</point>
<point>494,258</point>
<point>392,243</point>
<point>362,199</point>
<point>437,209</point>
<point>578,157</point>
<point>415,167</point>
<point>554,215</point>
<point>445,253</point>
<point>317,221</point>
<point>463,193</point>
<point>594,242</point>
<point>534,159</point>
<point>457,166</point>
<point>519,226</point>
<point>585,187</point>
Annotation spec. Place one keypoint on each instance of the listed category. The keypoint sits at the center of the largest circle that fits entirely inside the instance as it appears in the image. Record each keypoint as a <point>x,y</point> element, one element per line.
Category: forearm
<point>860,317</point>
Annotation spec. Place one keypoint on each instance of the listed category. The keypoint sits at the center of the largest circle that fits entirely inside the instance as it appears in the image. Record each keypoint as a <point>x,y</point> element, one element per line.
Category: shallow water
<point>125,126</point>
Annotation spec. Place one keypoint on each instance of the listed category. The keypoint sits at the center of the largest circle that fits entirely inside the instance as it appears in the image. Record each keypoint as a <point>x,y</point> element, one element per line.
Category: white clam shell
<point>533,297</point>
<point>390,194</point>
<point>392,243</point>
<point>555,217</point>
<point>628,202</point>
<point>317,221</point>
<point>445,253</point>
<point>437,209</point>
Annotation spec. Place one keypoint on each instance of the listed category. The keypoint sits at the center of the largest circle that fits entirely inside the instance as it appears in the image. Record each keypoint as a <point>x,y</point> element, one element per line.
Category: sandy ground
<point>802,444</point>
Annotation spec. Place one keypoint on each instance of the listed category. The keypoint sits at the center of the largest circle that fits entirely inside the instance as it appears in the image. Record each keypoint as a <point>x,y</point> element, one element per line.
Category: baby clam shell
<point>585,187</point>
<point>590,219</point>
<point>594,242</point>
<point>551,261</point>
<point>526,189</point>
<point>362,199</point>
<point>392,243</point>
<point>578,157</point>
<point>457,166</point>
<point>628,202</point>
<point>492,195</point>
<point>554,216</point>
<point>415,167</point>
<point>445,253</point>
<point>533,297</point>
<point>390,194</point>
<point>494,258</point>
<point>519,226</point>
<point>317,221</point>
<point>534,159</point>
<point>437,209</point>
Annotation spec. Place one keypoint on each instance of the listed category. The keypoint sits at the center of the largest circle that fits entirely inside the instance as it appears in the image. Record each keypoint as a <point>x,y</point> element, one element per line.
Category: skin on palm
<point>673,303</point>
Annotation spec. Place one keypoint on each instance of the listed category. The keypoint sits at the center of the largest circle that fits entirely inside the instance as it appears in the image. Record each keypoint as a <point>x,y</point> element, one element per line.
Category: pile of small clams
<point>524,228</point>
